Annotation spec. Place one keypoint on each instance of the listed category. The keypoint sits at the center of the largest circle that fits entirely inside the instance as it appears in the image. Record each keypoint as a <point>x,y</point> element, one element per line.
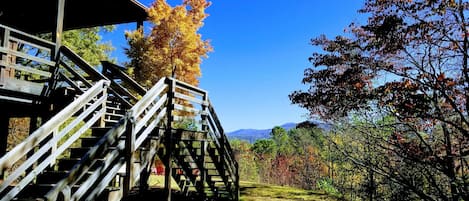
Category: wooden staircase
<point>102,139</point>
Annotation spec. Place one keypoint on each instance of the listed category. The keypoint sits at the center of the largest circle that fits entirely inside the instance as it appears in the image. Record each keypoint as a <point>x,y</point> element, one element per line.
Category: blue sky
<point>261,50</point>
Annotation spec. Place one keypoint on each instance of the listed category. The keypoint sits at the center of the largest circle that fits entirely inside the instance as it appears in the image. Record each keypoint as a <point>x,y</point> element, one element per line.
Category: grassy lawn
<point>264,192</point>
<point>261,192</point>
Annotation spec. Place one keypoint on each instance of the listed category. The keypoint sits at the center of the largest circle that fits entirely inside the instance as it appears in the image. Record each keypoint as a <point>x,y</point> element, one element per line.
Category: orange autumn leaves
<point>174,47</point>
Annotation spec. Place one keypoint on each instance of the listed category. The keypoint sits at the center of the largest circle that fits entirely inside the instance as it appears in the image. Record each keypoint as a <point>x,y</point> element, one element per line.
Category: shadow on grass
<point>160,194</point>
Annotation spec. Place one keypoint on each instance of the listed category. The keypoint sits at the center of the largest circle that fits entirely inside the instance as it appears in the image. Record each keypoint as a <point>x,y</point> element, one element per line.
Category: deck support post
<point>140,25</point>
<point>204,143</point>
<point>57,35</point>
<point>130,170</point>
<point>169,138</point>
<point>203,172</point>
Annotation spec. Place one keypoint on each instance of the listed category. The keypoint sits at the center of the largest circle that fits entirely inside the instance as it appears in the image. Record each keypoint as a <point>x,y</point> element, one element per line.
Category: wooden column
<point>204,143</point>
<point>140,25</point>
<point>58,34</point>
<point>202,170</point>
<point>130,171</point>
<point>169,139</point>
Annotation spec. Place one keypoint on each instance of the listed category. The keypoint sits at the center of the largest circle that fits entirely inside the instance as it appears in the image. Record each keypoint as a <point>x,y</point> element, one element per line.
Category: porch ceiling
<point>39,16</point>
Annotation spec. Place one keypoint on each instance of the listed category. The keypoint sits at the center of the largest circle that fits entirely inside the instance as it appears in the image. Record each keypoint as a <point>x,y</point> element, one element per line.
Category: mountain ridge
<point>251,135</point>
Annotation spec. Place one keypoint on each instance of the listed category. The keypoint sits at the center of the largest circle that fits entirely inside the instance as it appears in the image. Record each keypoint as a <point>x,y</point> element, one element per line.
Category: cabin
<point>94,135</point>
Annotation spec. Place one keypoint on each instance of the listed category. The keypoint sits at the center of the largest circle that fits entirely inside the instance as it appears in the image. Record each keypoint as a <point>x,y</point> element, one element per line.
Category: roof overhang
<point>40,16</point>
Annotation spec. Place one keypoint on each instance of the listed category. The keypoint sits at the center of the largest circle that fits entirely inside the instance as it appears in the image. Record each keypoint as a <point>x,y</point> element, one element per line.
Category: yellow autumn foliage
<point>174,47</point>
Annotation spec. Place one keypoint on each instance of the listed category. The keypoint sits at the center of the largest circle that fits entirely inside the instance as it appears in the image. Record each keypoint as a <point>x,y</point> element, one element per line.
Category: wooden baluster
<point>101,122</point>
<point>4,57</point>
<point>129,154</point>
<point>204,143</point>
<point>11,59</point>
<point>55,141</point>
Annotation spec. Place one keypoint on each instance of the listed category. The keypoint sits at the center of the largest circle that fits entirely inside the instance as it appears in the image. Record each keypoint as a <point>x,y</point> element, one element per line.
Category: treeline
<point>361,158</point>
<point>297,157</point>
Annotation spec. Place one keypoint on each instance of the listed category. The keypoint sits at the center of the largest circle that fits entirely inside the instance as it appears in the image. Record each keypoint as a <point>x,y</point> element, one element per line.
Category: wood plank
<point>184,85</point>
<point>21,100</point>
<point>85,66</point>
<point>26,69</point>
<point>187,109</point>
<point>149,97</point>
<point>25,35</point>
<point>31,44</point>
<point>188,98</point>
<point>26,56</point>
<point>22,86</point>
<point>33,140</point>
<point>75,73</point>
<point>115,70</point>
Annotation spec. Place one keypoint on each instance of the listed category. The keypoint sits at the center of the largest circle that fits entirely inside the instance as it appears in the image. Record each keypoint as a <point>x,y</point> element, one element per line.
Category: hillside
<point>251,135</point>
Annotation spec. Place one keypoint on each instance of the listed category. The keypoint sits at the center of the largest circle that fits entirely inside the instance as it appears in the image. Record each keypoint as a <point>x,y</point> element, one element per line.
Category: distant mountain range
<point>251,135</point>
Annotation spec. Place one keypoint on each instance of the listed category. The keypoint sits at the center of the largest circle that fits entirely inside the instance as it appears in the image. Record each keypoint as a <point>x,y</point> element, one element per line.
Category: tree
<point>264,147</point>
<point>248,170</point>
<point>307,142</point>
<point>87,43</point>
<point>409,61</point>
<point>174,46</point>
<point>282,141</point>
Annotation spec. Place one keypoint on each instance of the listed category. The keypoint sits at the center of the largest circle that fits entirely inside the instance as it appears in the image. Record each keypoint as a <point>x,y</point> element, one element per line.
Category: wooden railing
<point>52,139</point>
<point>141,121</point>
<point>26,61</point>
<point>123,83</point>
<point>27,64</point>
<point>224,149</point>
<point>77,73</point>
<point>192,103</point>
<point>167,103</point>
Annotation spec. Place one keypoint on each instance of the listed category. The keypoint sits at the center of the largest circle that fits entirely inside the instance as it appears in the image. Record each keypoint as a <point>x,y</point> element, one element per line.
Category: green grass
<point>158,182</point>
<point>263,192</point>
<point>250,191</point>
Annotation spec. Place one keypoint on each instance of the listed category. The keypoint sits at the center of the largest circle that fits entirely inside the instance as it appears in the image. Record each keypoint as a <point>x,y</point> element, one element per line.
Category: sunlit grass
<point>263,192</point>
<point>158,182</point>
<point>251,191</point>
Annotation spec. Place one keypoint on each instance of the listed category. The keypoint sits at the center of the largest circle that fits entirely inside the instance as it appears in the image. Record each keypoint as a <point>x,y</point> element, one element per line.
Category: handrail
<point>140,121</point>
<point>47,137</point>
<point>166,102</point>
<point>144,116</point>
<point>86,162</point>
<point>148,112</point>
<point>94,74</point>
<point>113,70</point>
<point>32,38</point>
<point>215,129</point>
<point>25,60</point>
<point>76,59</point>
